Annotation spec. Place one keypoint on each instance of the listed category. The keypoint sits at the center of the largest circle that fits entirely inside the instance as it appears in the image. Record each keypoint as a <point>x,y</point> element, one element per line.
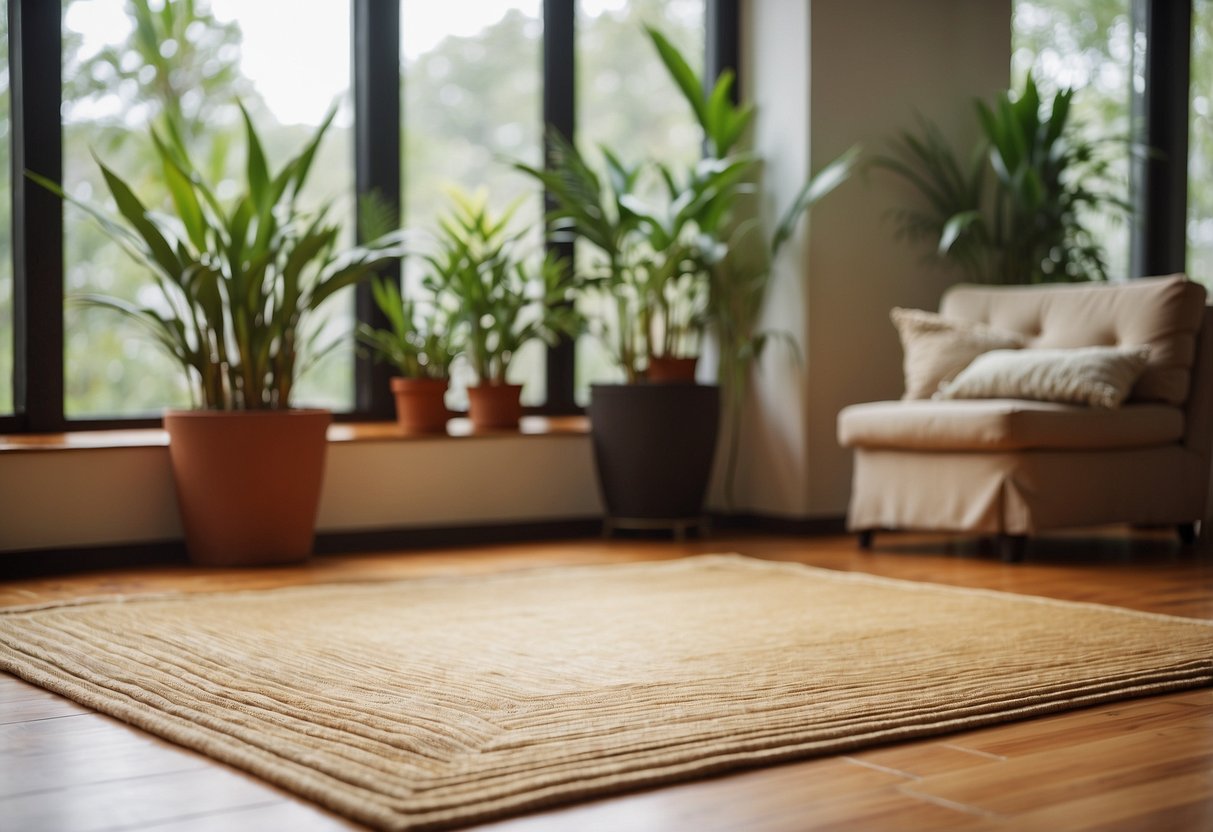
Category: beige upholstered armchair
<point>986,455</point>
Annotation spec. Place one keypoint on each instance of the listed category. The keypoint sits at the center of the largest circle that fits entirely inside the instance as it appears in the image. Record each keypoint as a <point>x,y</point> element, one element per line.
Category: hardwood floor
<point>1144,764</point>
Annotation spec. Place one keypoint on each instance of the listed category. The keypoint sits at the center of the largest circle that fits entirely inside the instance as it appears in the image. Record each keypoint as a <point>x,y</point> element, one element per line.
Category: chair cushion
<point>1005,425</point>
<point>1094,376</point>
<point>1163,312</point>
<point>936,348</point>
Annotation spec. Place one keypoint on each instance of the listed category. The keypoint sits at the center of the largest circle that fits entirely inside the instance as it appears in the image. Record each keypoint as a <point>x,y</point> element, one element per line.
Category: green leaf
<point>955,227</point>
<point>817,186</point>
<point>135,213</point>
<point>688,83</point>
<point>256,169</point>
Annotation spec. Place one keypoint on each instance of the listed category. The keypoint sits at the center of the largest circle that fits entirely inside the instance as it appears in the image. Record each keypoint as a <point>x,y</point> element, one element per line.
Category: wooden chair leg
<point>1187,533</point>
<point>865,540</point>
<point>1011,547</point>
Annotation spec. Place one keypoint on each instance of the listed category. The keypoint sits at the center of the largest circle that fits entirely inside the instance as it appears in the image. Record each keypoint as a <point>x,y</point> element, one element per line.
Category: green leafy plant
<point>418,340</point>
<point>502,298</point>
<point>238,283</point>
<point>698,260</point>
<point>654,255</point>
<point>1016,211</point>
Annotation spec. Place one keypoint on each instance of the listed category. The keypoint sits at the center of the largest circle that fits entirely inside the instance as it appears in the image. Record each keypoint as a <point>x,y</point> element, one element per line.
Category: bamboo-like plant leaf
<point>136,214</point>
<point>816,187</point>
<point>682,75</point>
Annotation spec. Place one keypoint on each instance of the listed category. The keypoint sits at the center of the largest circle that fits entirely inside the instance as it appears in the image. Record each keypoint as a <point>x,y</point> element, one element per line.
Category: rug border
<point>677,562</point>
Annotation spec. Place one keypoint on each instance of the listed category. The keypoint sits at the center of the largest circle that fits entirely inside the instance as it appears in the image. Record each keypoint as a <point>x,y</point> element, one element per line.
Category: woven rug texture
<point>438,702</point>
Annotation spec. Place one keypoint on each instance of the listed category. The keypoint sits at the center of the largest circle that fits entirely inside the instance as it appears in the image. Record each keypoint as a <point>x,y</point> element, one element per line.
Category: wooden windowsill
<point>459,428</point>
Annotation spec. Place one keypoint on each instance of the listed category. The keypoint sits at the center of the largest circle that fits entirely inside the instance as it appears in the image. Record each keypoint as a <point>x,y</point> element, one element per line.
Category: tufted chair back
<point>1164,312</point>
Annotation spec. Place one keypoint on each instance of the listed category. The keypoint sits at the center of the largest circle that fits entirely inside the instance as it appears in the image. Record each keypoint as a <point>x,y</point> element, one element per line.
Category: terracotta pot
<point>248,483</point>
<point>420,404</point>
<point>668,370</point>
<point>495,406</point>
<point>653,447</point>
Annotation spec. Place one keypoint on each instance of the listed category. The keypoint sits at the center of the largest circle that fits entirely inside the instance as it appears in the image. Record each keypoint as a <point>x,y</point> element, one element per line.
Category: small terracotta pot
<point>248,483</point>
<point>420,404</point>
<point>495,406</point>
<point>668,370</point>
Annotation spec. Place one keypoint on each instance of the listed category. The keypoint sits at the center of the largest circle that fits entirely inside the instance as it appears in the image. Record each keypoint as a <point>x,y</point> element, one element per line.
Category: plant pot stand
<point>678,526</point>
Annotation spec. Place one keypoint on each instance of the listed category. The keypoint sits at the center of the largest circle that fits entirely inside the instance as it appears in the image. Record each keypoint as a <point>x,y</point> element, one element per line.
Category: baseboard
<point>781,524</point>
<point>334,543</point>
<point>37,563</point>
<point>60,561</point>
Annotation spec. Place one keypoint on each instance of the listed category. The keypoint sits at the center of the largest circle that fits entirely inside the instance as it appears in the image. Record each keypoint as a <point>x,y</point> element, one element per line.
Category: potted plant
<point>501,299</point>
<point>672,269</point>
<point>238,283</point>
<point>417,342</point>
<point>1018,210</point>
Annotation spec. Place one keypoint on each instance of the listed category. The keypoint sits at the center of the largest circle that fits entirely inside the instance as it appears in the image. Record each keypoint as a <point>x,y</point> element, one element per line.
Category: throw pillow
<point>1095,376</point>
<point>936,348</point>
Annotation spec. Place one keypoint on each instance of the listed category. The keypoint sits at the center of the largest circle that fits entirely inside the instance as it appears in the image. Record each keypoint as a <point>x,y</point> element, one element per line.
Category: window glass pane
<point>194,69</point>
<point>626,102</point>
<point>1200,152</point>
<point>6,250</point>
<point>1088,46</point>
<point>472,101</point>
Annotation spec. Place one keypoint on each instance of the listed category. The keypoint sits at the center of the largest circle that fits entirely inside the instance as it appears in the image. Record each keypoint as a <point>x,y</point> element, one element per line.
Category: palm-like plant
<point>695,261</point>
<point>419,339</point>
<point>654,257</point>
<point>238,283</point>
<point>1016,213</point>
<point>502,298</point>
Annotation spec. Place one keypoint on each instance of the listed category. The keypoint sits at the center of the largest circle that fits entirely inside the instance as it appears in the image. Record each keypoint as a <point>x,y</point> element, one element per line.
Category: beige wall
<point>94,497</point>
<point>868,65</point>
<point>871,64</point>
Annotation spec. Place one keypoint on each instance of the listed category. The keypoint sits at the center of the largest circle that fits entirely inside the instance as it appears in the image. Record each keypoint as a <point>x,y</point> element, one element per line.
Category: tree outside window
<point>1088,45</point>
<point>129,65</point>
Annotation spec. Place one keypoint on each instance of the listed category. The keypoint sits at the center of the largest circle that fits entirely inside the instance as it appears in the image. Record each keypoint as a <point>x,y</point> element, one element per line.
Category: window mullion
<point>37,141</point>
<point>376,77</point>
<point>559,108</point>
<point>1160,196</point>
<point>722,30</point>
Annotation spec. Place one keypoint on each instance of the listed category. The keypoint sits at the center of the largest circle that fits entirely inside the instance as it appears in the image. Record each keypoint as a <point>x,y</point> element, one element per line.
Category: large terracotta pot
<point>420,404</point>
<point>248,483</point>
<point>495,406</point>
<point>653,448</point>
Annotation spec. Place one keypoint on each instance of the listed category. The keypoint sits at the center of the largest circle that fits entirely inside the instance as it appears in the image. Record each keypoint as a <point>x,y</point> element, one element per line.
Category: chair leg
<point>1187,533</point>
<point>865,540</point>
<point>1011,547</point>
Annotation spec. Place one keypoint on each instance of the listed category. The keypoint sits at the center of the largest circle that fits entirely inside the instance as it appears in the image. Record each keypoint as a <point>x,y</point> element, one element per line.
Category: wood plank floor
<point>1140,765</point>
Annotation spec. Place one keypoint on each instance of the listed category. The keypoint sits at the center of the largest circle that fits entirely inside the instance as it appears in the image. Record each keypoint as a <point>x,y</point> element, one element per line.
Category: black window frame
<point>1158,243</point>
<point>35,34</point>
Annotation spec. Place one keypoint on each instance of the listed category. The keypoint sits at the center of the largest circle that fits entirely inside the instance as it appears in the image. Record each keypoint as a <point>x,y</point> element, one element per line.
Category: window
<point>627,102</point>
<point>1200,150</point>
<point>474,86</point>
<point>472,83</point>
<point>1089,47</point>
<point>191,69</point>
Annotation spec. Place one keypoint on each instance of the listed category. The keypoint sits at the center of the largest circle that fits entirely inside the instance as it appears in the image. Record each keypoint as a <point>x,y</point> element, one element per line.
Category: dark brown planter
<point>653,446</point>
<point>420,404</point>
<point>248,483</point>
<point>495,406</point>
<point>664,370</point>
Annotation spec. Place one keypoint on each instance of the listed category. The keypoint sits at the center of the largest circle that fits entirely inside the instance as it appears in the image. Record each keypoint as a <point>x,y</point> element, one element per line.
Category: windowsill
<point>459,428</point>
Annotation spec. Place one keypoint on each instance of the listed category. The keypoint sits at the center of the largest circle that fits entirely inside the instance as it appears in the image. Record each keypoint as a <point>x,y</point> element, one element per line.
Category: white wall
<point>94,497</point>
<point>870,65</point>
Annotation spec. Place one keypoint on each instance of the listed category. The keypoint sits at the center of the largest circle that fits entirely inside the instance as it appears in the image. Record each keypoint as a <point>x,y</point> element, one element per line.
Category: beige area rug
<point>437,702</point>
